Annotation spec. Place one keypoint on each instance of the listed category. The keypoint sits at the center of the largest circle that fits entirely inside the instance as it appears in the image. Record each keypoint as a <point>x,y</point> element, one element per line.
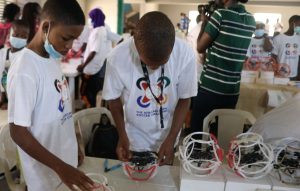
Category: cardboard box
<point>264,80</point>
<point>236,183</point>
<point>248,80</point>
<point>188,182</point>
<point>266,74</point>
<point>250,74</point>
<point>281,81</point>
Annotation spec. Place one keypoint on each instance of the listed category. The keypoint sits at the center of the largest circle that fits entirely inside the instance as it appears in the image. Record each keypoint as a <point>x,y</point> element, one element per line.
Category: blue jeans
<point>204,104</point>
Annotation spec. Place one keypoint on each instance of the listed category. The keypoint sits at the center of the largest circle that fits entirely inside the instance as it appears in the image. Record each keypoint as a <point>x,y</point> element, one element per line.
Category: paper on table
<point>277,97</point>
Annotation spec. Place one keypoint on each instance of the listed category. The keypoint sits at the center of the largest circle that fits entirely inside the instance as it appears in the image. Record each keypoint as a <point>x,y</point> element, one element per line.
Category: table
<point>254,97</point>
<point>166,179</point>
<point>70,71</point>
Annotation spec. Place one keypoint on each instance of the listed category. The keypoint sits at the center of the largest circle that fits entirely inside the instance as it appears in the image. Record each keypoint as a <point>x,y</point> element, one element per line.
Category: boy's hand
<point>71,176</point>
<point>167,150</point>
<point>80,157</point>
<point>123,149</point>
<point>80,68</point>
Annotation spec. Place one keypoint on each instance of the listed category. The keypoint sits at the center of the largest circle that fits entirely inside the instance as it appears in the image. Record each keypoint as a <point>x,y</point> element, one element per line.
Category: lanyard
<point>161,87</point>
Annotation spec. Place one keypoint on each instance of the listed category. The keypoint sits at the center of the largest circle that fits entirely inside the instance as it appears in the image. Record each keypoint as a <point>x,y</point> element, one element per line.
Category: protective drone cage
<point>100,181</point>
<point>250,157</point>
<point>268,64</point>
<point>287,160</point>
<point>142,162</point>
<point>199,157</point>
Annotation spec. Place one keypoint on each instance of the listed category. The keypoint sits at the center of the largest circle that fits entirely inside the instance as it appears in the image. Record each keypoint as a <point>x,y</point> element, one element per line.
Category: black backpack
<point>104,140</point>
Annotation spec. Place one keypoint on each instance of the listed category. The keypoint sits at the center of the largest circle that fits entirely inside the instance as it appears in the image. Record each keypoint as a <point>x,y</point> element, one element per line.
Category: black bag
<point>104,140</point>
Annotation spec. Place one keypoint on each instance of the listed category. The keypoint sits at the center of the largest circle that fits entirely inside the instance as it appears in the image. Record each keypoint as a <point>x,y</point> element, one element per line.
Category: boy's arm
<point>167,148</point>
<point>68,174</point>
<point>116,108</point>
<point>268,47</point>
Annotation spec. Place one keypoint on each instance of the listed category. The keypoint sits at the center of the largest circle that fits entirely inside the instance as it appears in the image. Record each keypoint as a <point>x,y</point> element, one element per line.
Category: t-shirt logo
<point>295,52</point>
<point>62,89</point>
<point>254,51</point>
<point>288,52</point>
<point>288,45</point>
<point>295,46</point>
<point>145,100</point>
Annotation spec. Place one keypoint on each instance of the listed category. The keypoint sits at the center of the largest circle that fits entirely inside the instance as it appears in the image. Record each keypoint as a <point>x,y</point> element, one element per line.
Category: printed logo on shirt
<point>288,45</point>
<point>288,52</point>
<point>295,46</point>
<point>257,49</point>
<point>295,52</point>
<point>146,100</point>
<point>61,87</point>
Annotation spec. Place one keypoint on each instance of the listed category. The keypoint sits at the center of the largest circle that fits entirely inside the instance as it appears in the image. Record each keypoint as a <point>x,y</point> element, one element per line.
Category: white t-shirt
<point>124,74</point>
<point>278,27</point>
<point>281,122</point>
<point>256,49</point>
<point>83,38</point>
<point>111,37</point>
<point>287,48</point>
<point>191,39</point>
<point>39,100</point>
<point>97,42</point>
<point>3,54</point>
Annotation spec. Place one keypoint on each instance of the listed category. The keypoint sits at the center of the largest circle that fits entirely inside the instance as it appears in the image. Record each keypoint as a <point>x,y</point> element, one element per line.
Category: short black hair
<point>66,12</point>
<point>20,23</point>
<point>295,18</point>
<point>10,11</point>
<point>155,36</point>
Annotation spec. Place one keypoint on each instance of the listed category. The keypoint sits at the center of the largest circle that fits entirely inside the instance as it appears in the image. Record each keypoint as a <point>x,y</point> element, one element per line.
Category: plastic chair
<point>6,160</point>
<point>230,124</point>
<point>85,120</point>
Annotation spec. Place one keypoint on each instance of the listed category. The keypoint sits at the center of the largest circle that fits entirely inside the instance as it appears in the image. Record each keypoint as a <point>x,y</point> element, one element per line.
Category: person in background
<point>277,28</point>
<point>11,12</point>
<point>94,57</point>
<point>81,42</point>
<point>260,45</point>
<point>39,107</point>
<point>191,39</point>
<point>279,123</point>
<point>287,47</point>
<point>31,14</point>
<point>154,60</point>
<point>111,37</point>
<point>267,26</point>
<point>19,34</point>
<point>184,22</point>
<point>220,79</point>
<point>177,29</point>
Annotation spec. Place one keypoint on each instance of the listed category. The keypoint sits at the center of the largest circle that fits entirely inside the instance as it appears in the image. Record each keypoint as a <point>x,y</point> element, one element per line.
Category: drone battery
<point>250,74</point>
<point>248,80</point>
<point>264,81</point>
<point>281,81</point>
<point>267,74</point>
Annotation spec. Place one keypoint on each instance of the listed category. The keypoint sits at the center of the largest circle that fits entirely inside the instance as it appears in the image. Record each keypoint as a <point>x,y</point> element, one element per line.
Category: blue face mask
<point>49,48</point>
<point>297,30</point>
<point>259,33</point>
<point>90,22</point>
<point>17,42</point>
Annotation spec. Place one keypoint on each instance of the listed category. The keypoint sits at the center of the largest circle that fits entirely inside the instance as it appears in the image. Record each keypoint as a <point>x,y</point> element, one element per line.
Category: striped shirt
<point>231,30</point>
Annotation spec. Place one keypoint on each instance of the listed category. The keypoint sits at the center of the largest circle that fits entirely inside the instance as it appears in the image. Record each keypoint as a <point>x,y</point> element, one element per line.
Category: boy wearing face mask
<point>39,107</point>
<point>18,39</point>
<point>287,47</point>
<point>260,45</point>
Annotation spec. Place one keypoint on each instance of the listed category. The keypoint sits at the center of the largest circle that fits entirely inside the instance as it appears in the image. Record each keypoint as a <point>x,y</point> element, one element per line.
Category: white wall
<point>173,11</point>
<point>109,8</point>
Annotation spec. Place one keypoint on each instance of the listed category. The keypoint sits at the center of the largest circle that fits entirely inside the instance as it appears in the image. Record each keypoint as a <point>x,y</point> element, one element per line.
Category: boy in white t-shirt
<point>157,74</point>
<point>287,47</point>
<point>39,108</point>
<point>82,40</point>
<point>260,45</point>
<point>19,34</point>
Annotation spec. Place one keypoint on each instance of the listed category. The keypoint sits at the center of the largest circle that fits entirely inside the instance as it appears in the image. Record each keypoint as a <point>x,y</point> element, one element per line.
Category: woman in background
<point>31,14</point>
<point>10,13</point>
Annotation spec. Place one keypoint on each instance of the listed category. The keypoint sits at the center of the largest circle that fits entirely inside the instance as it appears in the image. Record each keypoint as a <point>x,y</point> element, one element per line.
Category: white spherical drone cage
<point>150,170</point>
<point>287,160</point>
<point>200,167</point>
<point>251,146</point>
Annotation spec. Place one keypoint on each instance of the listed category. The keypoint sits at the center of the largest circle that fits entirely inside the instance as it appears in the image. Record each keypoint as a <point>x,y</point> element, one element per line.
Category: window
<point>2,5</point>
<point>272,20</point>
<point>192,16</point>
